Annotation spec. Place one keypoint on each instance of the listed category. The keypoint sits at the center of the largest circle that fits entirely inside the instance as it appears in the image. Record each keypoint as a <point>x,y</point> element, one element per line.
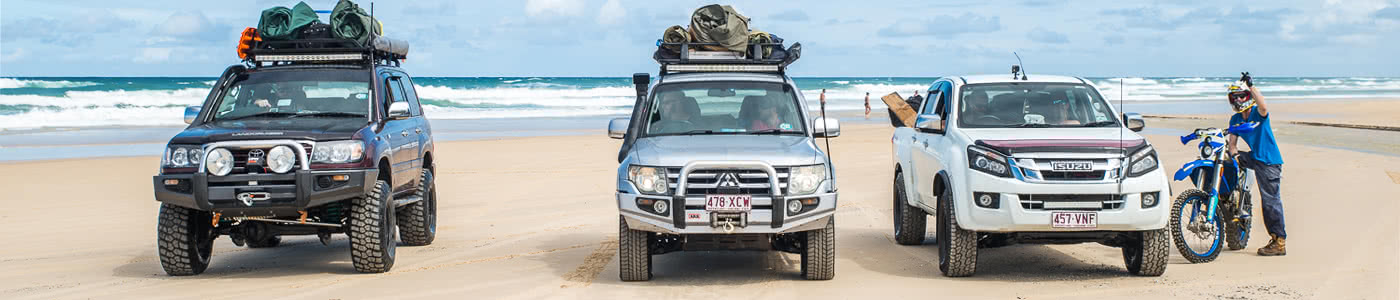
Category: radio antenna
<point>1019,63</point>
<point>1127,157</point>
<point>826,136</point>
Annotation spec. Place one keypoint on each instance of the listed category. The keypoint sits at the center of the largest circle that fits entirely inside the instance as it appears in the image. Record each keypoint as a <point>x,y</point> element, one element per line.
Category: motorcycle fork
<point>1215,191</point>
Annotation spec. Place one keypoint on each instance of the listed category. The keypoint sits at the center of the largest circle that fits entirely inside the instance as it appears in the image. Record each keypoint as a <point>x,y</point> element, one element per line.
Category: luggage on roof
<point>298,36</point>
<point>281,23</point>
<point>349,21</point>
<point>721,24</point>
<point>718,34</point>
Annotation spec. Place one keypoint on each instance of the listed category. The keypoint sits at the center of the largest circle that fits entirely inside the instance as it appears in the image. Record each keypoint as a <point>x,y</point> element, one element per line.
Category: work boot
<point>1274,248</point>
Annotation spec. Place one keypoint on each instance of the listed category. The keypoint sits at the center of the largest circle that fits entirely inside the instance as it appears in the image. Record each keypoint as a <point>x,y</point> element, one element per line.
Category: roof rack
<point>380,50</point>
<point>691,60</point>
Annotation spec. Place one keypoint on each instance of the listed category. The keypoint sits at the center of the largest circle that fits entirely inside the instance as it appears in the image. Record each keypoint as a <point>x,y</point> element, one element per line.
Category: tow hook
<point>728,226</point>
<point>325,237</point>
<point>216,219</point>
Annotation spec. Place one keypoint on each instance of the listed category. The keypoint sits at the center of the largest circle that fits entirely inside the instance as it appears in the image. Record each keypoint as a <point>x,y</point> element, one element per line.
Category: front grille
<point>1071,202</point>
<point>706,182</point>
<point>1072,176</point>
<point>240,159</point>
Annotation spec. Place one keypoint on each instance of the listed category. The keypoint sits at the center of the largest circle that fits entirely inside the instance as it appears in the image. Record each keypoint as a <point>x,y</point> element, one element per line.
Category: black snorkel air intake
<point>640,81</point>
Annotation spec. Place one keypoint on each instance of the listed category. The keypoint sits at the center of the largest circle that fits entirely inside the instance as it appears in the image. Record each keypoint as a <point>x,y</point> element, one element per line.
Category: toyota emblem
<point>255,156</point>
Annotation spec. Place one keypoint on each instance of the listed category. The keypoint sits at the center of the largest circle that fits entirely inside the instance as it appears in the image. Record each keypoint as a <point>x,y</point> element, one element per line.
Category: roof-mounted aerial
<point>693,60</point>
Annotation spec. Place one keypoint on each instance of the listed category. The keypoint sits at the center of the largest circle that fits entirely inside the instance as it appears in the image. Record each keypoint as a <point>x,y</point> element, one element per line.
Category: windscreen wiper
<point>1101,124</point>
<point>698,131</point>
<point>330,114</point>
<point>1033,125</point>
<point>262,114</point>
<point>771,131</point>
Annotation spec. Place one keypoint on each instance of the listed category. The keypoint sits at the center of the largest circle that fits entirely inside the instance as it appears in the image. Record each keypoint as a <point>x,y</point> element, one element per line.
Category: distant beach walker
<point>31,103</point>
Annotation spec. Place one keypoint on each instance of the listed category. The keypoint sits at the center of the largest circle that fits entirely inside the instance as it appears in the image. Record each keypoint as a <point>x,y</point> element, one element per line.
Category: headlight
<point>649,180</point>
<point>182,156</point>
<point>987,161</point>
<point>219,162</point>
<point>337,152</point>
<point>281,159</point>
<point>1143,161</point>
<point>805,180</point>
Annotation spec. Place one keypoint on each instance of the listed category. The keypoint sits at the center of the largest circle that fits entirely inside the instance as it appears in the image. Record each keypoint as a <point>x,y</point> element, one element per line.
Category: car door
<point>401,157</point>
<point>927,158</point>
<point>419,136</point>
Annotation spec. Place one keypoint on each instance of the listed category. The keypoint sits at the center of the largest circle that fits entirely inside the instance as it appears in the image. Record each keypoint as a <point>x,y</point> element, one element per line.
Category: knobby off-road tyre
<point>1146,252</point>
<point>184,240</point>
<point>269,242</point>
<point>633,253</point>
<point>418,221</point>
<point>819,252</point>
<point>910,222</point>
<point>1237,233</point>
<point>373,241</point>
<point>957,248</point>
<point>1179,235</point>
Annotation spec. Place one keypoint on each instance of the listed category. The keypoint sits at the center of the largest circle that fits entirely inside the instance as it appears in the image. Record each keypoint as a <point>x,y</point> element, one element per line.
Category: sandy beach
<point>534,217</point>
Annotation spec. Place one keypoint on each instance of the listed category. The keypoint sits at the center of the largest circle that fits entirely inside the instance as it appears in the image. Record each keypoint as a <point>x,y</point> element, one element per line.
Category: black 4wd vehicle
<point>306,137</point>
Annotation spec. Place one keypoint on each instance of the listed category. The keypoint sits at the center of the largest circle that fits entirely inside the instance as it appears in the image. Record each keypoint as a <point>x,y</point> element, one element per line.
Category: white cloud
<point>182,24</point>
<point>13,55</point>
<point>611,13</point>
<point>546,8</point>
<point>153,55</point>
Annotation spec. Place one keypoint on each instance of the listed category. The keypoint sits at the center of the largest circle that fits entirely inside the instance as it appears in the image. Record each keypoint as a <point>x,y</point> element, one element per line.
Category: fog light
<point>340,177</point>
<point>987,200</point>
<point>1149,199</point>
<point>794,206</point>
<point>659,207</point>
<point>172,181</point>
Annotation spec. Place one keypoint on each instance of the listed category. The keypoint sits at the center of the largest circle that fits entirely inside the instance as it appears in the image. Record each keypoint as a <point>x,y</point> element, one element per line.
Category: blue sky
<point>840,38</point>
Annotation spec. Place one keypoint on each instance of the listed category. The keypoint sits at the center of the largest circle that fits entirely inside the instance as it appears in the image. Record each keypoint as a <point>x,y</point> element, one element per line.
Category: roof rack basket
<point>690,59</point>
<point>380,50</point>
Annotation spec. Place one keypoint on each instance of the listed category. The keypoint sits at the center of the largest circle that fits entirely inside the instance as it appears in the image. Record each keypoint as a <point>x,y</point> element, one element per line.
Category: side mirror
<point>1135,121</point>
<point>826,127</point>
<point>641,81</point>
<point>398,110</point>
<point>617,128</point>
<point>191,113</point>
<point>930,123</point>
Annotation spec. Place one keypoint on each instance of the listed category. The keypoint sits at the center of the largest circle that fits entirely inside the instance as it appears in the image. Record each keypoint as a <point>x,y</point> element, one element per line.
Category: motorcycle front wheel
<point>1197,236</point>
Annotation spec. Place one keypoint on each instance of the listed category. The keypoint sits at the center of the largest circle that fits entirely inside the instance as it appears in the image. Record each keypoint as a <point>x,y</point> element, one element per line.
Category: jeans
<point>1269,178</point>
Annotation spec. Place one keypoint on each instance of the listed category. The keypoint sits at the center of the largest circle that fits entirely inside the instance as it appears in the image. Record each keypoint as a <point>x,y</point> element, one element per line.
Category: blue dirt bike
<point>1202,221</point>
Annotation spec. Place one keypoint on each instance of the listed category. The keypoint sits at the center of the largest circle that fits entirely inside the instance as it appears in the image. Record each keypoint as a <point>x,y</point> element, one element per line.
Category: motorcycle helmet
<point>1240,97</point>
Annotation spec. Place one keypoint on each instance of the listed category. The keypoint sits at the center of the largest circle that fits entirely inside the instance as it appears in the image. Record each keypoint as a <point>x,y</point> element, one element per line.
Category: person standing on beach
<point>867,105</point>
<point>1264,158</point>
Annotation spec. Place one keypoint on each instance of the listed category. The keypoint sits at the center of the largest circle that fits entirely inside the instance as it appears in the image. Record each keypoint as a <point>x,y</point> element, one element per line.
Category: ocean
<point>85,102</point>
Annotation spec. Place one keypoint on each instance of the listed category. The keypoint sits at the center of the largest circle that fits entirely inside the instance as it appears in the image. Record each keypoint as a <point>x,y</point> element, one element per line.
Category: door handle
<point>418,130</point>
<point>404,133</point>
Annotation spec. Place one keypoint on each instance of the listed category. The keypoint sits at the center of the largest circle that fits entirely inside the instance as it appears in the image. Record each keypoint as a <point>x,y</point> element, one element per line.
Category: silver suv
<point>723,157</point>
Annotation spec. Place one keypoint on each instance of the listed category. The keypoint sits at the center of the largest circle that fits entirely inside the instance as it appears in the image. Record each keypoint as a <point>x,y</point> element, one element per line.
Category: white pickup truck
<point>1002,160</point>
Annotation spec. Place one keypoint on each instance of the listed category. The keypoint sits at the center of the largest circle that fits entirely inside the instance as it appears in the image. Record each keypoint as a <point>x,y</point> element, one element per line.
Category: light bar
<point>309,57</point>
<point>722,68</point>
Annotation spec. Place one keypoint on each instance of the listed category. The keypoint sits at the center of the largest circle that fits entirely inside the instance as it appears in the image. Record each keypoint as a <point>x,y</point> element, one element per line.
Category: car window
<point>1033,104</point>
<point>724,108</point>
<point>282,94</point>
<point>412,92</point>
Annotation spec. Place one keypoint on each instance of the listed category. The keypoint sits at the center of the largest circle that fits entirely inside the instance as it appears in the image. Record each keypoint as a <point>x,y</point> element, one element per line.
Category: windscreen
<point>724,108</point>
<point>295,94</point>
<point>1000,105</point>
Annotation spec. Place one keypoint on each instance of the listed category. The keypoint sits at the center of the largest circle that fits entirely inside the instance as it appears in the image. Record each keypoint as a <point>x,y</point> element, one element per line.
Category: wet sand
<point>534,217</point>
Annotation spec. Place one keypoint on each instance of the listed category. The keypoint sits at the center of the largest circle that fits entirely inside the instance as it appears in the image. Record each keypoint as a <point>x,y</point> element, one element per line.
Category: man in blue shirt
<point>1263,157</point>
